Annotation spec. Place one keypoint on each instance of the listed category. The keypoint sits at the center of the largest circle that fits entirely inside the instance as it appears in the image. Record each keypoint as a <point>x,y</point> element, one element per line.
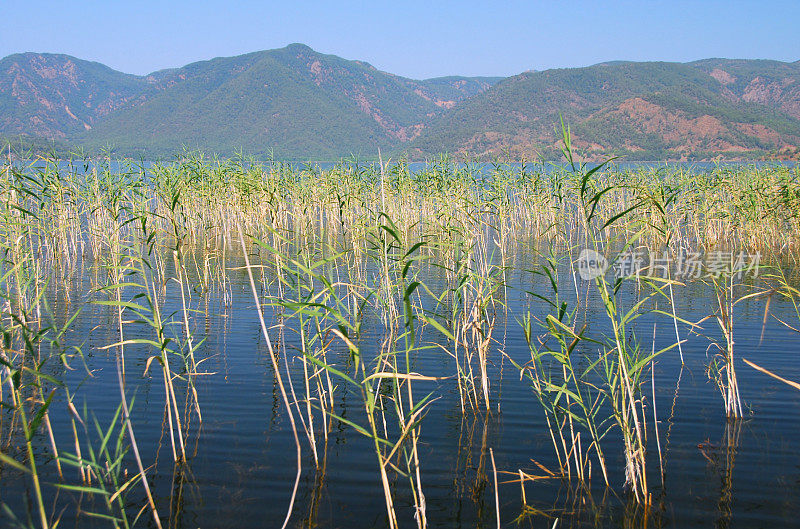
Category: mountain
<point>772,83</point>
<point>291,102</point>
<point>56,96</point>
<point>446,92</point>
<point>644,110</point>
<point>296,103</point>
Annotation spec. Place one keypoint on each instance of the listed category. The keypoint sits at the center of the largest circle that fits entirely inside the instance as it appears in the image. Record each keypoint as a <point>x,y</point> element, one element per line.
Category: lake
<point>702,468</point>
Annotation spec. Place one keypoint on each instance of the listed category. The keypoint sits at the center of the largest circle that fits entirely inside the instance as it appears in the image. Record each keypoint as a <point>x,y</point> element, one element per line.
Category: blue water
<point>241,466</point>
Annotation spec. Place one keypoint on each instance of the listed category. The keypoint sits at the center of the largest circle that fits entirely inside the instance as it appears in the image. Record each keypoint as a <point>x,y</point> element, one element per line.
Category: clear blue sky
<point>411,38</point>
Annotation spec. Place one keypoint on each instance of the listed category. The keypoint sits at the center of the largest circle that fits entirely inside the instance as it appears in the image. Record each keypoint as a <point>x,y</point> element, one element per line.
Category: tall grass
<point>422,255</point>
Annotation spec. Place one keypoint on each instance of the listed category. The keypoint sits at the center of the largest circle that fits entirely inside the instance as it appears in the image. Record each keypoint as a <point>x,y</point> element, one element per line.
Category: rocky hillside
<point>642,110</point>
<point>58,96</point>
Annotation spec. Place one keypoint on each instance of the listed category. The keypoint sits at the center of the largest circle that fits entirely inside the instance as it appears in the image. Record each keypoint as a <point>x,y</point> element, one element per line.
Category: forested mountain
<point>296,103</point>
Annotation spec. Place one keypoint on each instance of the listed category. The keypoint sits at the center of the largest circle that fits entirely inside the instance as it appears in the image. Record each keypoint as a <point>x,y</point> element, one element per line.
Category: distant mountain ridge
<point>296,103</point>
<point>644,110</point>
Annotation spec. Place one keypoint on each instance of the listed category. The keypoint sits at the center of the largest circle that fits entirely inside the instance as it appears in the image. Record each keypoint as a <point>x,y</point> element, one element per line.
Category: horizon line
<point>610,61</point>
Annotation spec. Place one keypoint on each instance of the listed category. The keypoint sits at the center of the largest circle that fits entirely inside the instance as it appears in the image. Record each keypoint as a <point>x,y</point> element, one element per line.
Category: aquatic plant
<point>421,258</point>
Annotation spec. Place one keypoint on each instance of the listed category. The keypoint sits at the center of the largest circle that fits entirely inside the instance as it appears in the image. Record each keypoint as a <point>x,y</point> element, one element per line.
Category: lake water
<point>241,466</point>
<point>415,167</point>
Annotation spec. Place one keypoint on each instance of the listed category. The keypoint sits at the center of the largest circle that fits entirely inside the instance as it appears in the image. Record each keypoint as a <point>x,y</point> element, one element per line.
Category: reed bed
<point>324,251</point>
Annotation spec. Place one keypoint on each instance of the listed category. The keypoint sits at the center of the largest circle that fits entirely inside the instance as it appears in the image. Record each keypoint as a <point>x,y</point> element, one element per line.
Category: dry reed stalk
<point>791,383</point>
<point>496,492</point>
<point>276,370</point>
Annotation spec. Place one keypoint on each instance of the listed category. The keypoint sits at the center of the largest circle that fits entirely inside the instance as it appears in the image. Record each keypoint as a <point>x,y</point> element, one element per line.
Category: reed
<point>570,399</point>
<point>420,258</point>
<point>606,393</point>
